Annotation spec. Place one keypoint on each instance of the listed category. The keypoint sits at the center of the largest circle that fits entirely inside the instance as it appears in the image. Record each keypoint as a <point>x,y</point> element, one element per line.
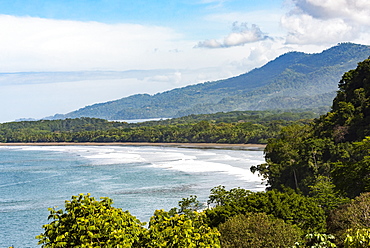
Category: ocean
<point>140,179</point>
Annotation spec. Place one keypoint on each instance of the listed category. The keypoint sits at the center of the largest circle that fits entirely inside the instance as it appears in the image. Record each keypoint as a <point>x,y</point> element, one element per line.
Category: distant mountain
<point>293,80</point>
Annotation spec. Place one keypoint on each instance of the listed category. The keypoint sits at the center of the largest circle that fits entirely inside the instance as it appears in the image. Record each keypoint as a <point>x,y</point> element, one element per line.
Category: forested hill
<point>293,80</point>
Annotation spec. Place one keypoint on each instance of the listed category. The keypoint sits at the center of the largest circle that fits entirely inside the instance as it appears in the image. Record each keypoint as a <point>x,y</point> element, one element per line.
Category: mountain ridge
<point>292,79</point>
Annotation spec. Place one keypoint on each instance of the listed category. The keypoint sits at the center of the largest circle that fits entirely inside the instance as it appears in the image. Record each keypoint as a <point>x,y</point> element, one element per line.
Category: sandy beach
<point>181,145</point>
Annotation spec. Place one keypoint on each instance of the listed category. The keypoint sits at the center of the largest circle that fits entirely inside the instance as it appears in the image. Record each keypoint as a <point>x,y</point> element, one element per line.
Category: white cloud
<point>305,29</point>
<point>36,44</point>
<point>41,44</point>
<point>240,36</point>
<point>350,10</point>
<point>327,21</point>
<point>210,44</point>
<point>270,25</point>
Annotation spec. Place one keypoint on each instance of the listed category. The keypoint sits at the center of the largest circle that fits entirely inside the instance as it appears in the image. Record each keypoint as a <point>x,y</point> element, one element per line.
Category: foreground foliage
<point>90,223</point>
<point>289,206</point>
<point>358,238</point>
<point>87,222</point>
<point>180,231</point>
<point>316,240</point>
<point>242,218</point>
<point>352,216</point>
<point>258,231</point>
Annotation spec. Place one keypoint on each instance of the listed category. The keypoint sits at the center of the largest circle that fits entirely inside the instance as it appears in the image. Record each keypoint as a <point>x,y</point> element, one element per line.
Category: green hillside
<point>293,80</point>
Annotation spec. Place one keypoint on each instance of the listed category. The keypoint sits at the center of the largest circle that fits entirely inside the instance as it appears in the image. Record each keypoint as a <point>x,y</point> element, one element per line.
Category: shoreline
<point>179,145</point>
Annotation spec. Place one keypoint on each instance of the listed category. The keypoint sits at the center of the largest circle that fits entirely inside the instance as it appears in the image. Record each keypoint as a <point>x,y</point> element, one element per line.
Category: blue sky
<point>185,16</point>
<point>157,12</point>
<point>58,56</point>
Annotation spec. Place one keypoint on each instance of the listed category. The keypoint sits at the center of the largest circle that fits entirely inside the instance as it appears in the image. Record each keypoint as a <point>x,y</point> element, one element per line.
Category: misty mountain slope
<point>292,80</point>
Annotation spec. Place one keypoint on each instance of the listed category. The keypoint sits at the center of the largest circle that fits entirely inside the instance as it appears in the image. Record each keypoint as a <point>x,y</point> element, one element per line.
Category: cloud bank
<point>36,44</point>
<point>305,23</point>
<point>326,21</point>
<point>241,34</point>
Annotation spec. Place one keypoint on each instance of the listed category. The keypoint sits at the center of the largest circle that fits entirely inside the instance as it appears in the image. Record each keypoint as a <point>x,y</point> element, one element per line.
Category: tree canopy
<point>336,145</point>
<point>90,223</point>
<point>86,222</point>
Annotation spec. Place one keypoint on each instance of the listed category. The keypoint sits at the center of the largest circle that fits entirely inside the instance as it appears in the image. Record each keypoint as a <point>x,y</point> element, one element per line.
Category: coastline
<point>179,145</point>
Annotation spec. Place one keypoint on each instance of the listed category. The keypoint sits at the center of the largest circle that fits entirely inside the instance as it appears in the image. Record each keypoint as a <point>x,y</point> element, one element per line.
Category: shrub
<point>289,206</point>
<point>180,230</point>
<point>317,240</point>
<point>359,238</point>
<point>354,215</point>
<point>257,230</point>
<point>90,223</point>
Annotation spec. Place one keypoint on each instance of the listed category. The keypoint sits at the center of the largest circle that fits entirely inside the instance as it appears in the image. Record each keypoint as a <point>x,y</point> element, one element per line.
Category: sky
<point>58,56</point>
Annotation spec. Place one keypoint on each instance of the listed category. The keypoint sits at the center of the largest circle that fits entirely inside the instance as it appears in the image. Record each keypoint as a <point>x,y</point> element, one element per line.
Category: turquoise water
<point>138,179</point>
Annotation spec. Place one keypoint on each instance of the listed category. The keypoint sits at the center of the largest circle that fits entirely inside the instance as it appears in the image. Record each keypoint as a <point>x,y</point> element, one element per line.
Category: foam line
<point>235,163</point>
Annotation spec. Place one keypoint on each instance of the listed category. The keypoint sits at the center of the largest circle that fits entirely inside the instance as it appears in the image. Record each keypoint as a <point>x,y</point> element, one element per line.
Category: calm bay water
<point>138,179</point>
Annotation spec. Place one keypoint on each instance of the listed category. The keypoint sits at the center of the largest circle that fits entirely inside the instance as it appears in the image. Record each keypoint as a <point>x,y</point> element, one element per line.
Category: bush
<point>257,230</point>
<point>317,240</point>
<point>289,206</point>
<point>359,238</point>
<point>354,215</point>
<point>185,230</point>
<point>90,223</point>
